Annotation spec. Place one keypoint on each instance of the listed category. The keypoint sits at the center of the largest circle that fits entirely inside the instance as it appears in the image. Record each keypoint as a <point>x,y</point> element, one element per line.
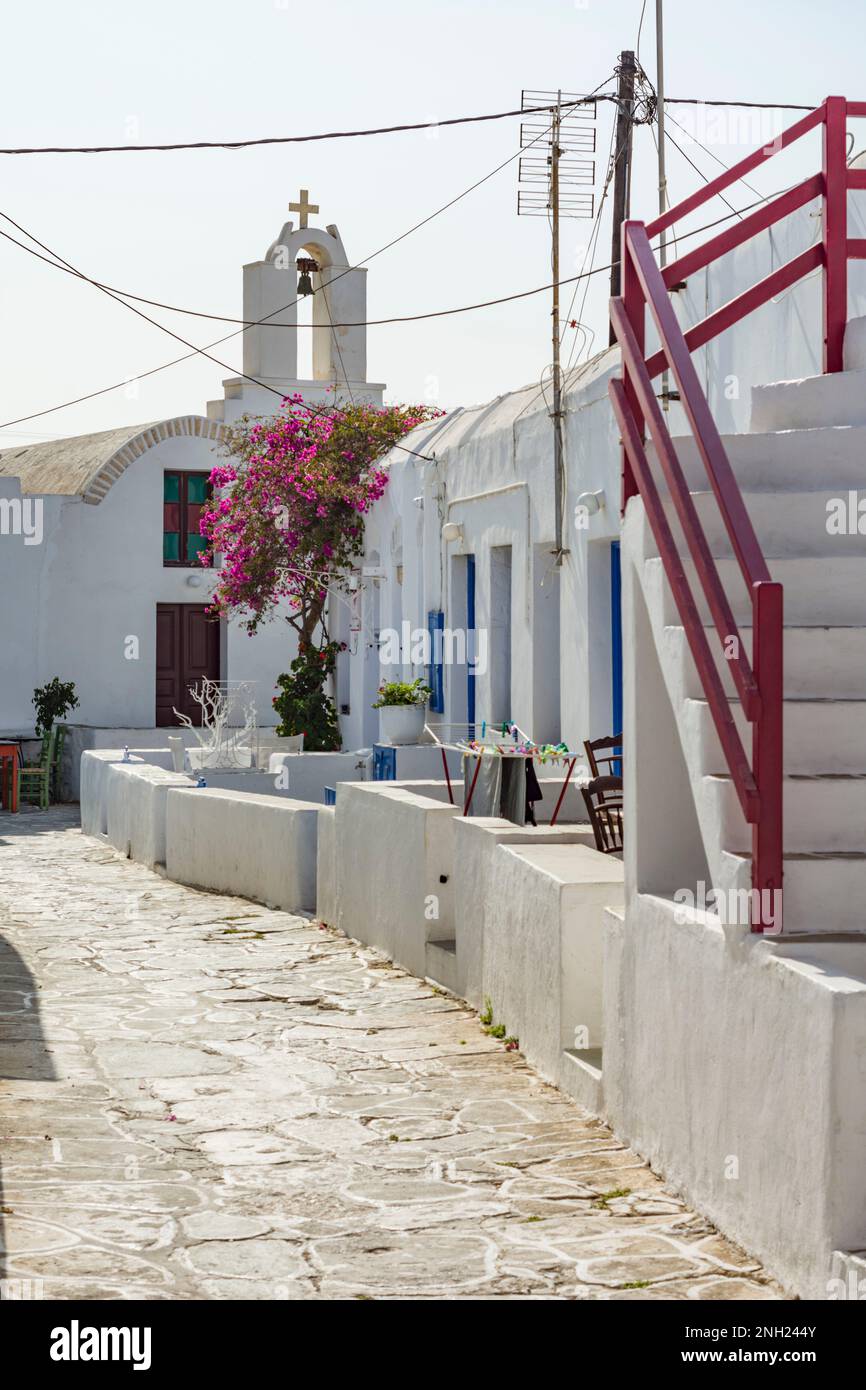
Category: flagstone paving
<point>202,1098</point>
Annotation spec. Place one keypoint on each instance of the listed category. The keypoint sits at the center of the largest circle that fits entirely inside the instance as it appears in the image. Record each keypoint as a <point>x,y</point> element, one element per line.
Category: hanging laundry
<point>488,783</point>
<point>512,801</point>
<point>533,792</point>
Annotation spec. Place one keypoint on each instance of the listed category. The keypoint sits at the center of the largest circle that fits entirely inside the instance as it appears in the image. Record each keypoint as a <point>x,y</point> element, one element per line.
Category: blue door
<point>471,653</point>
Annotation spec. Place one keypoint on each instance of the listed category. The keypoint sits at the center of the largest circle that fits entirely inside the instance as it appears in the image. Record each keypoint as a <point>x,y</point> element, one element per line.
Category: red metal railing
<point>758,684</point>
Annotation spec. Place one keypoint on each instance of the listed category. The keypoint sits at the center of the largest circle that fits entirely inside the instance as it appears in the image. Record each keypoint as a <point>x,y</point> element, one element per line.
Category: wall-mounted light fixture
<point>452,531</point>
<point>591,502</point>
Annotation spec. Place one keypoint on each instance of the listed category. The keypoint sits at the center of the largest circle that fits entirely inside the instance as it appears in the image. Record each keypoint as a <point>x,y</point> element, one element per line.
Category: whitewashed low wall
<point>93,784</point>
<point>326,866</point>
<point>260,847</point>
<point>93,781</point>
<point>572,812</point>
<point>542,962</point>
<point>135,803</point>
<point>477,889</point>
<point>149,745</point>
<point>296,776</point>
<point>394,857</point>
<point>737,1068</point>
<point>309,773</point>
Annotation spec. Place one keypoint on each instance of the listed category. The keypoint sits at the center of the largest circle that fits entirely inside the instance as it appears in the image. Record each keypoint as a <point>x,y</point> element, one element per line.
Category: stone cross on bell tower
<point>304,206</point>
<point>270,344</point>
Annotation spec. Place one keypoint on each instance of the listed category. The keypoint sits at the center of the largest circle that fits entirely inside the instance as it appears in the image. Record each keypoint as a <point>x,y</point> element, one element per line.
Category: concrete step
<point>782,460</point>
<point>820,736</point>
<point>819,662</point>
<point>822,892</point>
<point>839,398</point>
<point>830,591</point>
<point>788,524</point>
<point>442,964</point>
<point>821,814</point>
<point>581,1077</point>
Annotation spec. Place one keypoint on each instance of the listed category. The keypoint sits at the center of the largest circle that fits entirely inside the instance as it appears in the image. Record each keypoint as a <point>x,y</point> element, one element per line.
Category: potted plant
<point>401,710</point>
<point>52,702</point>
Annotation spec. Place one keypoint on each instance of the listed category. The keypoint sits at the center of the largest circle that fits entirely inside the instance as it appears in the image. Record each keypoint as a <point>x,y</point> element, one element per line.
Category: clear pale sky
<point>178,227</point>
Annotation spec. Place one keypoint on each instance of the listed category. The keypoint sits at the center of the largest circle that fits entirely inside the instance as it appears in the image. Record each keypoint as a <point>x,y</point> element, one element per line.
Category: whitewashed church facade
<point>99,576</point>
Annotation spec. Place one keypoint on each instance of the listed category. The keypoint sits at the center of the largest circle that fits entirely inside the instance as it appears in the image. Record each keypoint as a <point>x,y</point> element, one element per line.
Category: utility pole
<point>557,372</point>
<point>622,165</point>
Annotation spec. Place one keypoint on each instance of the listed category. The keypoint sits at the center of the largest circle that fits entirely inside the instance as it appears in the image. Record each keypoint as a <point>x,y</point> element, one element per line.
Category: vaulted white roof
<point>86,465</point>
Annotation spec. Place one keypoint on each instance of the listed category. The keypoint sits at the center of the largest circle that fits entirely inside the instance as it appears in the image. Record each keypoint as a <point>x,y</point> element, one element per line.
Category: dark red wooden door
<point>187,648</point>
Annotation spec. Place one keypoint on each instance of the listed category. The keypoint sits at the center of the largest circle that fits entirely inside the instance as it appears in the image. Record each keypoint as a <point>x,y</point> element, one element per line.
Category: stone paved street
<point>201,1098</point>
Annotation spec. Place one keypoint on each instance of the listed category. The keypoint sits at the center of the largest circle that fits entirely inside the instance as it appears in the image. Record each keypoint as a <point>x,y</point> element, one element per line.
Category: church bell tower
<point>315,260</point>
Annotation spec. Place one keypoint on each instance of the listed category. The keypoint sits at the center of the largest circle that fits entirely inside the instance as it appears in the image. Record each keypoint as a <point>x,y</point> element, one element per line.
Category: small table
<point>9,756</point>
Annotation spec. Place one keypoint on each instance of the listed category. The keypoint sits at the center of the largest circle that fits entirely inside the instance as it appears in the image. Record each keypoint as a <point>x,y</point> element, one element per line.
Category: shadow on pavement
<point>23,1052</point>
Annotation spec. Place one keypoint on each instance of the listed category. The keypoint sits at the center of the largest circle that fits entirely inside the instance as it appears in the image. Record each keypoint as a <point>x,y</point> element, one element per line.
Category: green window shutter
<point>196,487</point>
<point>194,545</point>
<point>184,496</point>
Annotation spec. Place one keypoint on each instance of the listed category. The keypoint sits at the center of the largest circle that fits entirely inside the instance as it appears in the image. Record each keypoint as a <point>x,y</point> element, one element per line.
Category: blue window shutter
<point>435,676</point>
<point>384,763</point>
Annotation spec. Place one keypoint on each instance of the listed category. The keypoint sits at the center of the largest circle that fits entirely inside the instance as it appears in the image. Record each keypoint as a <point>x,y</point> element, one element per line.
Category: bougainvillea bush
<point>287,518</point>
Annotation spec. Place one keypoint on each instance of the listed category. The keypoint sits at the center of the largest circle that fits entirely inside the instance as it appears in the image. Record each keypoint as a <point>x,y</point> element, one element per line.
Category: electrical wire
<point>59,262</point>
<point>313,410</point>
<point>712,155</point>
<point>283,139</point>
<point>639,30</point>
<point>751,105</point>
<point>345,323</point>
<point>646,94</point>
<point>253,323</point>
<point>375,130</point>
<point>613,161</point>
<point>701,175</point>
<point>141,376</point>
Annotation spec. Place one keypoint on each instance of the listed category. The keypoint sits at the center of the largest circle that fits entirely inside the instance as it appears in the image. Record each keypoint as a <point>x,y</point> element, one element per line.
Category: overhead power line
<point>283,139</point>
<point>375,130</point>
<point>59,263</point>
<point>164,366</point>
<point>255,323</point>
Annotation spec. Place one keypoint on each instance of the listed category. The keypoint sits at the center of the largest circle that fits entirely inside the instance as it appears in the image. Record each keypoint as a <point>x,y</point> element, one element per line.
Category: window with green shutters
<point>183,497</point>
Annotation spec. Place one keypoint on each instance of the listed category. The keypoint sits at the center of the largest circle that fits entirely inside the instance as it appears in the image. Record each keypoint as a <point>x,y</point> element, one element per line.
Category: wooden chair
<point>37,776</point>
<point>603,799</point>
<point>607,764</point>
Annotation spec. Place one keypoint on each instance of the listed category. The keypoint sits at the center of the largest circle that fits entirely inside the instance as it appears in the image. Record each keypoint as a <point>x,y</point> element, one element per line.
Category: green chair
<point>36,777</point>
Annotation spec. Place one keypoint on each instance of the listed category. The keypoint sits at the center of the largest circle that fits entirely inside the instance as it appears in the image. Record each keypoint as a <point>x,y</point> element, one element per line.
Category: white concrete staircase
<point>795,462</point>
<point>720,1042</point>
